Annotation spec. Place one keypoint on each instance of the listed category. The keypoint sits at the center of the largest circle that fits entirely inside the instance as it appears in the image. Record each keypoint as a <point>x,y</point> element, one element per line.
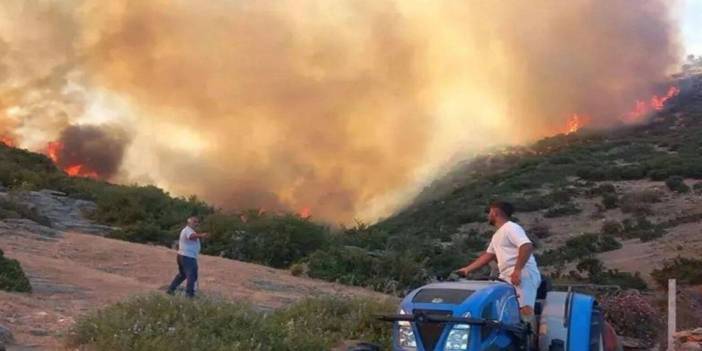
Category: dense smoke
<point>342,107</point>
<point>96,150</point>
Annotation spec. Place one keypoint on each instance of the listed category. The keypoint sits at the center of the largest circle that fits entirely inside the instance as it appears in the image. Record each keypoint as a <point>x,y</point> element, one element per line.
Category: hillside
<point>637,188</point>
<point>73,273</point>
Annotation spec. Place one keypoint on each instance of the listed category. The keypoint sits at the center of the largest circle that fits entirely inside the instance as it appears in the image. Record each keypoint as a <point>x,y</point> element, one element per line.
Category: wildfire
<point>305,212</point>
<point>80,171</point>
<point>53,151</point>
<point>7,140</point>
<point>575,122</point>
<point>643,107</point>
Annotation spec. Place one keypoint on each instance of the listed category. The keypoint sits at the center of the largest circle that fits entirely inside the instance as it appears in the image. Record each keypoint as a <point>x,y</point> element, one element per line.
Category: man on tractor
<point>513,252</point>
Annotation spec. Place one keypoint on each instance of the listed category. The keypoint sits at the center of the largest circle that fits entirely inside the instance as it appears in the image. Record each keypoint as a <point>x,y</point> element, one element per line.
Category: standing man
<point>513,251</point>
<point>188,249</point>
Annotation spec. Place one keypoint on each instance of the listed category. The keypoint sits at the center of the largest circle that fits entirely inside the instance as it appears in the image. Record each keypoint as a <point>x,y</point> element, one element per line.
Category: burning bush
<point>632,315</point>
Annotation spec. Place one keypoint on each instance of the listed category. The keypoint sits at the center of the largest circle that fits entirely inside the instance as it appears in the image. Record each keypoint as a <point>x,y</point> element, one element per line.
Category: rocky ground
<point>73,273</point>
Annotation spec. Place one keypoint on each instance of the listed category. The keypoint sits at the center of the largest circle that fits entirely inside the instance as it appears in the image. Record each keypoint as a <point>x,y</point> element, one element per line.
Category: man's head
<point>193,222</point>
<point>499,211</point>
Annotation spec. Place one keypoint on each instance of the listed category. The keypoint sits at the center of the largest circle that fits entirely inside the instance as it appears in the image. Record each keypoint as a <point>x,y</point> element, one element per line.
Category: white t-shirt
<point>187,247</point>
<point>505,245</point>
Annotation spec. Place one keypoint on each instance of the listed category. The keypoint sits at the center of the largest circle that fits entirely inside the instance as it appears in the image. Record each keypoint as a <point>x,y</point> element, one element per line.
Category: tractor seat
<point>541,293</point>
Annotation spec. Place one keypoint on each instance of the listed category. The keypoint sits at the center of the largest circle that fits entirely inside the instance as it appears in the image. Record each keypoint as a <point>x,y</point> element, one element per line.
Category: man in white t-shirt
<point>513,252</point>
<point>188,250</point>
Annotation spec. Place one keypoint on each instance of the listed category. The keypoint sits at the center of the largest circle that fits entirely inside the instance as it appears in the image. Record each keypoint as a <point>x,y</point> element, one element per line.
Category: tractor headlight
<point>458,337</point>
<point>405,335</point>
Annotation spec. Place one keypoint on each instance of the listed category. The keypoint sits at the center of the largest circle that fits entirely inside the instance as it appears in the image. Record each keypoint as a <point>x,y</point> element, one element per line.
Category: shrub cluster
<point>157,322</point>
<point>12,277</point>
<point>685,270</point>
<point>581,246</point>
<point>677,184</point>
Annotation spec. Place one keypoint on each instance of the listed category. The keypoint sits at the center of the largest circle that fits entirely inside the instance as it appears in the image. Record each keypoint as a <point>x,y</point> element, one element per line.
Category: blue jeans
<point>187,269</point>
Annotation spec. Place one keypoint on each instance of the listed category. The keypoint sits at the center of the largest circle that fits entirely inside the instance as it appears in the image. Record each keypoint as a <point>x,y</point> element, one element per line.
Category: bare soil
<point>78,273</point>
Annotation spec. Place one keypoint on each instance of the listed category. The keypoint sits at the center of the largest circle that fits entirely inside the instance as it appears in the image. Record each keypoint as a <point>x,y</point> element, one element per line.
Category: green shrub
<point>641,228</point>
<point>610,201</point>
<point>12,277</point>
<point>632,315</point>
<point>276,240</point>
<point>603,189</point>
<point>612,227</point>
<point>299,269</point>
<point>677,184</point>
<point>157,322</point>
<point>568,209</point>
<point>639,203</point>
<point>685,270</point>
<point>540,230</point>
<point>598,274</point>
<point>318,323</point>
<point>578,247</point>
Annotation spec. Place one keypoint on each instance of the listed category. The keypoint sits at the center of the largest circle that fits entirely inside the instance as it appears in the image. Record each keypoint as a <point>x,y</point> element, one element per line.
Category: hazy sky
<point>692,26</point>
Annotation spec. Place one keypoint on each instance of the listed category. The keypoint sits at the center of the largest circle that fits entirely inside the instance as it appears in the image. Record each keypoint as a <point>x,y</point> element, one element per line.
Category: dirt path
<point>78,273</point>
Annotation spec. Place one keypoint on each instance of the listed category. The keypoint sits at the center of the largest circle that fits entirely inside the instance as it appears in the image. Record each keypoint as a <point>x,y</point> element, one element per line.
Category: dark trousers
<point>187,269</point>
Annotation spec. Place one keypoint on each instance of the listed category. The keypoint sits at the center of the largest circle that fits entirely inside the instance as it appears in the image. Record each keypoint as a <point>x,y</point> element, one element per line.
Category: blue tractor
<point>471,315</point>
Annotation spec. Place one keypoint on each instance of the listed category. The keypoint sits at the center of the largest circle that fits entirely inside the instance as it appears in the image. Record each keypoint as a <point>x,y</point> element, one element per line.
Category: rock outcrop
<point>64,214</point>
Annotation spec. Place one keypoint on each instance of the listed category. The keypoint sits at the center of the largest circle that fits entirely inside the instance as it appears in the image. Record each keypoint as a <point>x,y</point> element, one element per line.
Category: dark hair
<point>504,206</point>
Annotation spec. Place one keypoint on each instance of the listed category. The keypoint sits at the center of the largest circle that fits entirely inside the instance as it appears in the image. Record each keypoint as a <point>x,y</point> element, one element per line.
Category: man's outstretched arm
<point>479,262</point>
<point>195,236</point>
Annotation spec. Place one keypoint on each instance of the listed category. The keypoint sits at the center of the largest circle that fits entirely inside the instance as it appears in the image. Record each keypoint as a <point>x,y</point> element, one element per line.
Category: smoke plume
<point>342,107</point>
<point>90,150</point>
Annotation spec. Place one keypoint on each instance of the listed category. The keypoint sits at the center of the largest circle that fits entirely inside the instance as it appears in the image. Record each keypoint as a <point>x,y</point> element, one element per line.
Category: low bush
<point>568,209</point>
<point>157,322</point>
<point>677,184</point>
<point>276,240</point>
<point>639,203</point>
<point>612,227</point>
<point>598,274</point>
<point>632,315</point>
<point>540,230</point>
<point>610,201</point>
<point>602,189</point>
<point>697,188</point>
<point>582,246</point>
<point>12,278</point>
<point>640,227</point>
<point>685,270</point>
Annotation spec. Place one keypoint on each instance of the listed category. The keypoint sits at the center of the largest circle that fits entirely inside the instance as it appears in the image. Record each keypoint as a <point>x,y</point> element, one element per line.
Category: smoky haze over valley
<point>343,109</point>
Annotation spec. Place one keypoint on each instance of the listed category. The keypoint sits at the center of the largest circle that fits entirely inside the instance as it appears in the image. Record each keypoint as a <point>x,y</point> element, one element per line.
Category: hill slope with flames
<point>597,203</point>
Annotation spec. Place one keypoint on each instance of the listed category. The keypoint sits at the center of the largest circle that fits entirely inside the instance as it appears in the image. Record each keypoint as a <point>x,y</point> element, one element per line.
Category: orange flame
<point>575,122</point>
<point>80,171</point>
<point>7,140</point>
<point>53,151</point>
<point>642,108</point>
<point>53,148</point>
<point>305,212</point>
